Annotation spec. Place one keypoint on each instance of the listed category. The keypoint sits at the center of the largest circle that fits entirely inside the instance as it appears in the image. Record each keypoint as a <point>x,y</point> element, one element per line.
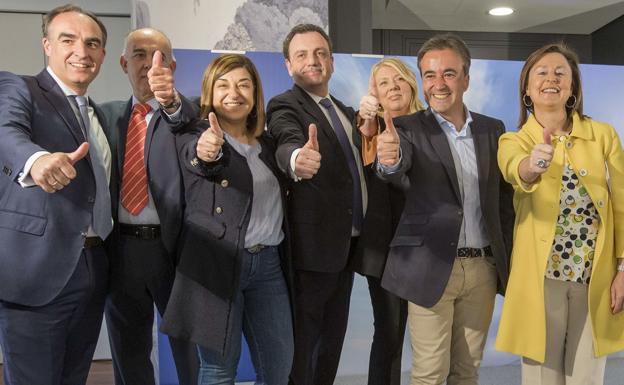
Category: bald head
<point>136,59</point>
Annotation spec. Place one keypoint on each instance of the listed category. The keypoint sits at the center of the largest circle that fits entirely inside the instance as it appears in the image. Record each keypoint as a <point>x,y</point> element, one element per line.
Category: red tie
<point>134,180</point>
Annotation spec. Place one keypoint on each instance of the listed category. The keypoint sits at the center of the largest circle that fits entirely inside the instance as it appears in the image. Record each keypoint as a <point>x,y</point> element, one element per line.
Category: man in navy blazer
<point>145,239</point>
<point>54,207</point>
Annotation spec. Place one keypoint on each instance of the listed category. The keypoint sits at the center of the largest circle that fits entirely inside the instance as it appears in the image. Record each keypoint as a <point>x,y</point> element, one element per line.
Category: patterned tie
<point>348,152</point>
<point>102,223</point>
<point>134,195</point>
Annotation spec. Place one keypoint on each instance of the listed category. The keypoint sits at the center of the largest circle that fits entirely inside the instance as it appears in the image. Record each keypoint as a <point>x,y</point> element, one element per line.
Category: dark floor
<point>101,373</point>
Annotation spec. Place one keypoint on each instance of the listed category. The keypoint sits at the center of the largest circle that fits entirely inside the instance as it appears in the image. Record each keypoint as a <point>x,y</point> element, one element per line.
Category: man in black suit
<point>55,207</point>
<point>148,207</point>
<point>318,147</point>
<point>452,244</point>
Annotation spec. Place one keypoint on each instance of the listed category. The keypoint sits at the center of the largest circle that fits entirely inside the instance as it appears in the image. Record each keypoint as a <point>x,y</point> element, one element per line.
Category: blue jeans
<point>261,310</point>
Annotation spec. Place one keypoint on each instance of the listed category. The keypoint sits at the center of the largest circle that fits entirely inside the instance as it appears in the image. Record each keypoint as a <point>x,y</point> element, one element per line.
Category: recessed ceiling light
<point>501,11</point>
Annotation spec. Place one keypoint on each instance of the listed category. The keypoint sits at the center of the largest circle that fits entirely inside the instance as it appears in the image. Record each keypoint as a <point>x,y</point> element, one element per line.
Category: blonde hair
<point>219,67</point>
<point>407,74</point>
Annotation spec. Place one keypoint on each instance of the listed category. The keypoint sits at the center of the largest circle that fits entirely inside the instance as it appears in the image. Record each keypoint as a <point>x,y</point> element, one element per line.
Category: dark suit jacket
<point>219,197</point>
<point>42,235</point>
<point>424,246</point>
<point>320,209</point>
<point>163,170</point>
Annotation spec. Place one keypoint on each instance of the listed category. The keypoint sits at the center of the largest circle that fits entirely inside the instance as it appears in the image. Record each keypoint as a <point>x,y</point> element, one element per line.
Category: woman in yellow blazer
<point>562,310</point>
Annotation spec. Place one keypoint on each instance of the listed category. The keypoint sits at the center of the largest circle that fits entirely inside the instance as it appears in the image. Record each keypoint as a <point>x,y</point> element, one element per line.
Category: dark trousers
<point>53,344</point>
<point>390,317</point>
<point>142,275</point>
<point>321,316</point>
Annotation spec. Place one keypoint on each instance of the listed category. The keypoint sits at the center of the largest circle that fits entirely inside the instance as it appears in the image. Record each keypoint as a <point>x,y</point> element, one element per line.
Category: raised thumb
<point>157,59</point>
<point>80,153</point>
<point>214,124</point>
<point>389,124</point>
<point>547,139</point>
<point>312,140</point>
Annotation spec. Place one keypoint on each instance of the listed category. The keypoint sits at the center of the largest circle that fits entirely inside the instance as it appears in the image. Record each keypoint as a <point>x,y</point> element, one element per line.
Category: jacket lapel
<point>482,145</point>
<point>440,144</point>
<point>151,129</point>
<point>323,126</point>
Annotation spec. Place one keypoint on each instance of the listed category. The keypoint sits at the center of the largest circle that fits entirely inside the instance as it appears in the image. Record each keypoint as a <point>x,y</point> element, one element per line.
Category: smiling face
<point>550,83</point>
<point>75,49</point>
<point>393,91</point>
<point>444,82</point>
<point>233,96</point>
<point>310,62</point>
<point>137,59</point>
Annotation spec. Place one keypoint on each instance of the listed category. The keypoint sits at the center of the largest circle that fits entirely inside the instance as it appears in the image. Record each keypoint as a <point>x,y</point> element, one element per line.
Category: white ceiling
<point>532,16</point>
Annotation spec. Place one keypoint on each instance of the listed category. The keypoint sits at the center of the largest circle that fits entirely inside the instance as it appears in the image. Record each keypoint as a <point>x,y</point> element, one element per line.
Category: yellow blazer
<point>591,148</point>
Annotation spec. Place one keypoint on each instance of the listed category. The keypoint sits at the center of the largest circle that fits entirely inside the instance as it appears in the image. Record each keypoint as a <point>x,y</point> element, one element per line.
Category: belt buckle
<point>255,249</point>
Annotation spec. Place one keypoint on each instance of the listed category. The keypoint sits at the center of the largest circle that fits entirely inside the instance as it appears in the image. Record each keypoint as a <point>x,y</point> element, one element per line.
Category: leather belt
<point>93,242</point>
<point>255,249</point>
<point>140,231</point>
<point>471,252</point>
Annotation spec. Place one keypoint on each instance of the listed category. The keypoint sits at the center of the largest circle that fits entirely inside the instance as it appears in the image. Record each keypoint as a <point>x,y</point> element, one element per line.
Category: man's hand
<point>52,172</point>
<point>210,141</point>
<point>160,79</point>
<point>388,143</point>
<point>308,160</point>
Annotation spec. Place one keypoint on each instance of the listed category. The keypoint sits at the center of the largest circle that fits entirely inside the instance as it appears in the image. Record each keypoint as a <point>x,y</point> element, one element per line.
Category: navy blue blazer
<point>161,163</point>
<point>41,234</point>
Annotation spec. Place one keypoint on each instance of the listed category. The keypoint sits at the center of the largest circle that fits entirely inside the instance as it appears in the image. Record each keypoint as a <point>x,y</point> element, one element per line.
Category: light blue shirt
<point>473,232</point>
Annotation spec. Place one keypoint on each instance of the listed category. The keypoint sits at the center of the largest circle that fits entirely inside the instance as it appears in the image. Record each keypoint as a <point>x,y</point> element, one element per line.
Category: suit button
<point>562,138</point>
<point>453,244</point>
<point>91,199</point>
<point>218,210</point>
<point>7,171</point>
<point>569,144</point>
<point>225,183</point>
<point>194,162</point>
<point>583,172</point>
<point>350,211</point>
<point>600,203</point>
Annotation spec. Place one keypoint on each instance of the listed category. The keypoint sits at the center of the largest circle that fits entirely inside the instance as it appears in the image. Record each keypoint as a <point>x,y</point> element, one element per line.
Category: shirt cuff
<point>24,179</point>
<point>293,160</point>
<point>390,169</point>
<point>174,117</point>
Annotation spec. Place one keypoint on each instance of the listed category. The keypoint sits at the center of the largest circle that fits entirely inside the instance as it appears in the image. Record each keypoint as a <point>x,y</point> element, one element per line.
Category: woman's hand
<point>210,141</point>
<point>538,160</point>
<point>369,105</point>
<point>617,293</point>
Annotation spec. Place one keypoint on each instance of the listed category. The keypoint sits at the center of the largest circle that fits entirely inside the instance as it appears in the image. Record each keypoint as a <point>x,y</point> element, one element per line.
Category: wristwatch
<point>620,266</point>
<point>175,103</point>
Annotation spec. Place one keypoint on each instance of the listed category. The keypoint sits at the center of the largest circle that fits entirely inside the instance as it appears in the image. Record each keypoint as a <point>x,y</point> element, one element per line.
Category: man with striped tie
<point>148,206</point>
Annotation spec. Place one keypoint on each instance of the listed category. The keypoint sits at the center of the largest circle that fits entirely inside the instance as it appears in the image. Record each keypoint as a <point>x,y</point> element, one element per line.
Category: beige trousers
<point>570,356</point>
<point>448,338</point>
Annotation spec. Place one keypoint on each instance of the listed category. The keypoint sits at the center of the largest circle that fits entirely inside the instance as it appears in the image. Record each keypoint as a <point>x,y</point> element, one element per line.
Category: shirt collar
<point>449,127</point>
<point>317,99</point>
<point>152,103</point>
<point>64,87</point>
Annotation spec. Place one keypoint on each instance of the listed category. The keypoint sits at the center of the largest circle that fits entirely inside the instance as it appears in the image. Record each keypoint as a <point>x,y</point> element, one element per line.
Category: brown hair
<point>407,74</point>
<point>577,90</point>
<point>47,19</point>
<point>219,67</point>
<point>446,41</point>
<point>304,28</point>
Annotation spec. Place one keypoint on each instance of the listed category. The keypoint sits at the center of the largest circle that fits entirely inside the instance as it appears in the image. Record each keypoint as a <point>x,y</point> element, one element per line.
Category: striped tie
<point>134,180</point>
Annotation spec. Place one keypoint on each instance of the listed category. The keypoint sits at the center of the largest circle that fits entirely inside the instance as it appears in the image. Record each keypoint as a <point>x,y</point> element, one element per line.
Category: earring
<point>528,104</point>
<point>568,105</point>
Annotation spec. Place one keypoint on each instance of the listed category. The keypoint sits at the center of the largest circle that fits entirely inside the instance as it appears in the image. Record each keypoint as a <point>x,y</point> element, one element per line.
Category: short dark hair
<point>304,28</point>
<point>47,19</point>
<point>219,67</point>
<point>446,41</point>
<point>577,89</point>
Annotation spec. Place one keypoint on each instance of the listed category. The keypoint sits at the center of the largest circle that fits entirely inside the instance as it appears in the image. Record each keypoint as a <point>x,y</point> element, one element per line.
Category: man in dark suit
<point>148,213</point>
<point>55,207</point>
<point>452,244</point>
<point>318,147</point>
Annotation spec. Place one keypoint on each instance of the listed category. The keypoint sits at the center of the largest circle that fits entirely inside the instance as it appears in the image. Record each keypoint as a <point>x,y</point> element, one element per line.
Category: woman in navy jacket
<point>234,267</point>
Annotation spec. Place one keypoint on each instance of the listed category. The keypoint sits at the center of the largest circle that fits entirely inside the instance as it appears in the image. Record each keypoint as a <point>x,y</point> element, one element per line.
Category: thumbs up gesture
<point>160,78</point>
<point>541,155</point>
<point>369,105</point>
<point>308,160</point>
<point>210,141</point>
<point>388,143</point>
<point>52,172</point>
